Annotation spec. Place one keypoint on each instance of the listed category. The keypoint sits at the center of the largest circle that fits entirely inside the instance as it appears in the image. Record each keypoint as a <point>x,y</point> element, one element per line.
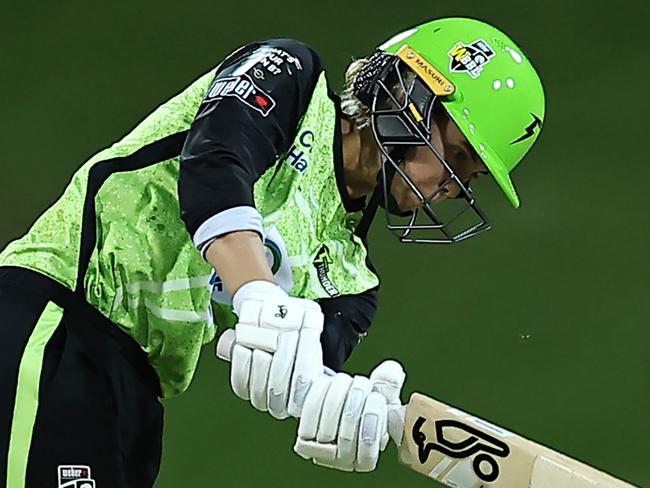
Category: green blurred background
<point>540,325</point>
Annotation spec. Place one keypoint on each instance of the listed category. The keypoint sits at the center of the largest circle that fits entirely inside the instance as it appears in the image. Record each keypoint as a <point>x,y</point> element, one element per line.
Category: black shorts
<point>78,400</point>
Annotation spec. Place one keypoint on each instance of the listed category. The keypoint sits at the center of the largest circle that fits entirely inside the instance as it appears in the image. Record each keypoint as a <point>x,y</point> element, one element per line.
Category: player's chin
<point>404,198</point>
<point>408,204</point>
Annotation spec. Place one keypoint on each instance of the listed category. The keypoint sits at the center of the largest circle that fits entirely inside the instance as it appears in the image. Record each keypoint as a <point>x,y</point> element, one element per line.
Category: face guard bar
<point>401,111</point>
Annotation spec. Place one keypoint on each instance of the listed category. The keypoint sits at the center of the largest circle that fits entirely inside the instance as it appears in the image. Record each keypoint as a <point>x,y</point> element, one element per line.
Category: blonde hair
<point>355,109</point>
<point>358,112</point>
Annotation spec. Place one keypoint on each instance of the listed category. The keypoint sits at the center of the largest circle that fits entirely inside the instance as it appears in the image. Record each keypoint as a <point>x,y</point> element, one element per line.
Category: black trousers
<point>78,400</point>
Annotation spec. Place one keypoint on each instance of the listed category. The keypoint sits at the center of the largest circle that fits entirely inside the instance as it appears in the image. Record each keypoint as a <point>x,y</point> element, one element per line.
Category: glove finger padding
<point>330,416</point>
<point>260,367</point>
<point>280,375</point>
<point>372,429</point>
<point>346,453</point>
<point>308,365</point>
<point>240,371</point>
<point>308,426</point>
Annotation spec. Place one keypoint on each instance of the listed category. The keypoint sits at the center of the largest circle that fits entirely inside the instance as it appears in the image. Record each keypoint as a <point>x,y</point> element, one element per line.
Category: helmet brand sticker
<point>434,79</point>
<point>470,58</point>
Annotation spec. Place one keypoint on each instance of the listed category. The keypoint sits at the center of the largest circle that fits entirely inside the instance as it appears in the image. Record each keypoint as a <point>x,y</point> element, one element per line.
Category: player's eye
<point>460,156</point>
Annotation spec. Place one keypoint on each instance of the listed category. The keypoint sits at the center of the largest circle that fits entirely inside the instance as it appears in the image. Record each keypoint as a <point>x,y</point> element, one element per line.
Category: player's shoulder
<point>276,56</point>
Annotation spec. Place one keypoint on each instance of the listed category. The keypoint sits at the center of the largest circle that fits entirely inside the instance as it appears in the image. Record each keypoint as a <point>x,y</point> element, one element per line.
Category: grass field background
<point>540,325</point>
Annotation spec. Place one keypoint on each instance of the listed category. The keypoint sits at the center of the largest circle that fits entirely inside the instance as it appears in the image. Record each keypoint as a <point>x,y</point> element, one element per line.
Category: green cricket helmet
<point>485,84</point>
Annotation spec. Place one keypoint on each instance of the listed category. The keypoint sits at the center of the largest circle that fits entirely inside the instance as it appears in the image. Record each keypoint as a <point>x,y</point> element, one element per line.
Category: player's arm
<point>249,117</point>
<point>347,320</point>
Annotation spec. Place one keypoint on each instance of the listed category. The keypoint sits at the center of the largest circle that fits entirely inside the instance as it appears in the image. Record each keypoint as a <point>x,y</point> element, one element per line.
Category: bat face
<point>463,451</point>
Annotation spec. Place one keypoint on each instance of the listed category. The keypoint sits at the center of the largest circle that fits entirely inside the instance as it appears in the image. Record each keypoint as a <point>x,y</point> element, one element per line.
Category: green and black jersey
<point>252,145</point>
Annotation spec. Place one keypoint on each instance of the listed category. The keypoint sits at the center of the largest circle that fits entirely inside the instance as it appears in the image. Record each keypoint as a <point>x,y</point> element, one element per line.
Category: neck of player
<point>361,160</point>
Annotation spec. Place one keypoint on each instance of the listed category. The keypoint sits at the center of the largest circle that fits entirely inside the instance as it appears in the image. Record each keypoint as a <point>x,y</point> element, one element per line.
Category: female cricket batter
<point>258,171</point>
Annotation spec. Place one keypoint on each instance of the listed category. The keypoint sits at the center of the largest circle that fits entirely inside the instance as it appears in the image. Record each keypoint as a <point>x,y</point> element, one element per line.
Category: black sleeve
<point>249,116</point>
<point>347,320</point>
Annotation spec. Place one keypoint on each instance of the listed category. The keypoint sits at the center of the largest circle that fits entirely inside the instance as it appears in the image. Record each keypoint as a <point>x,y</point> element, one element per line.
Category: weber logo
<point>244,89</point>
<point>75,477</point>
<point>322,264</point>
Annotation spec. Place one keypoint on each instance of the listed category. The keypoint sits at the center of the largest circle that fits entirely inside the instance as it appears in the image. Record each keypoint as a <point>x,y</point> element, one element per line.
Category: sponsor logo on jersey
<point>322,264</point>
<point>275,58</point>
<point>298,154</point>
<point>71,476</point>
<point>470,58</point>
<point>244,89</point>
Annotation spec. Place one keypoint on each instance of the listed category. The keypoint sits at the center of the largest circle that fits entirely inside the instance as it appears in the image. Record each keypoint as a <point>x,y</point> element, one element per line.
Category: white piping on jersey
<point>304,207</point>
<point>169,285</point>
<point>161,287</point>
<point>300,260</point>
<point>175,315</point>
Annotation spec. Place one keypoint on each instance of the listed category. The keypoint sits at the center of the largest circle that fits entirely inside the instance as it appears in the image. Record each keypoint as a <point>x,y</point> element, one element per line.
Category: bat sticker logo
<point>475,443</point>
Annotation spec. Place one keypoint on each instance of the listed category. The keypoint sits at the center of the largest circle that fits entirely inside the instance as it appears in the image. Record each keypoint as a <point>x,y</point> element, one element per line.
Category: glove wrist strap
<point>255,289</point>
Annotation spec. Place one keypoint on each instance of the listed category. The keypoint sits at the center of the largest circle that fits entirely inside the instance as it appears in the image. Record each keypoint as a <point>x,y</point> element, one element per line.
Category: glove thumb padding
<point>388,379</point>
<point>225,345</point>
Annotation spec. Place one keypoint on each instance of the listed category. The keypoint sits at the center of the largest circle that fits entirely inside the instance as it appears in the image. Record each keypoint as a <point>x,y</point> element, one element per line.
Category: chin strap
<point>369,213</point>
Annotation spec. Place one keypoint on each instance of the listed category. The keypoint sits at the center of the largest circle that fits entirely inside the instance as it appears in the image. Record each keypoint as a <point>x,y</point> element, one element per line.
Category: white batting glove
<point>276,351</point>
<point>344,422</point>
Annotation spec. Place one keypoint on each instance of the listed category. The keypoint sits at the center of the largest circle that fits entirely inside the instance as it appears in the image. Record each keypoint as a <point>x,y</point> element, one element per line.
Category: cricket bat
<point>463,451</point>
<point>460,450</point>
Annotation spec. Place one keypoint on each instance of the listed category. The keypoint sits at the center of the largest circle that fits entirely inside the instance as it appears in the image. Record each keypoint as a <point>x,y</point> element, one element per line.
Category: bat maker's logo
<point>476,443</point>
<point>282,312</point>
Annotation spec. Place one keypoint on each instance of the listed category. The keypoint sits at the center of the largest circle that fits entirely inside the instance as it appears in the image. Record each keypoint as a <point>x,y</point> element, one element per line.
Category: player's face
<point>427,172</point>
